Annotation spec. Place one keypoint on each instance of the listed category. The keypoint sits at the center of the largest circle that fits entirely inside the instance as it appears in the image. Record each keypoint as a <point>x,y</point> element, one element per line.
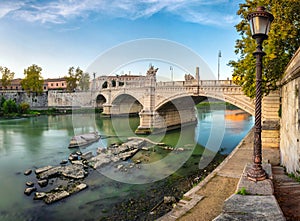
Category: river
<point>40,141</point>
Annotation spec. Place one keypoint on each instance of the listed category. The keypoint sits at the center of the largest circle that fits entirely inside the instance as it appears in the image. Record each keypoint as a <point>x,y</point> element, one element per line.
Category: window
<point>62,84</point>
<point>56,84</point>
<point>51,84</point>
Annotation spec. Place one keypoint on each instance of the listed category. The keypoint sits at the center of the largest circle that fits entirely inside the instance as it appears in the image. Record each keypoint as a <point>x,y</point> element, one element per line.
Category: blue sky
<point>59,34</point>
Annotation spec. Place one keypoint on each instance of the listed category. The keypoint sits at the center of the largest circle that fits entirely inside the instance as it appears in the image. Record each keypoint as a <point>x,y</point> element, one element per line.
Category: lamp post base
<point>256,173</point>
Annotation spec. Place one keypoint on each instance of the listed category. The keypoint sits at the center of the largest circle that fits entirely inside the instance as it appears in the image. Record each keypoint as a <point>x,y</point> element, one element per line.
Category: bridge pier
<point>107,109</point>
<point>156,122</point>
<point>147,119</point>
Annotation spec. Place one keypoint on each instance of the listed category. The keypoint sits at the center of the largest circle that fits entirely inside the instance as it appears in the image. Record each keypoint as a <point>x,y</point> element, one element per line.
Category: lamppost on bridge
<point>260,22</point>
<point>171,69</point>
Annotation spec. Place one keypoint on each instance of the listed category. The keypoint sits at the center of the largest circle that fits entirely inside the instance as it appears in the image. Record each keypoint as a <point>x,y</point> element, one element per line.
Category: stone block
<point>264,187</point>
<point>251,208</point>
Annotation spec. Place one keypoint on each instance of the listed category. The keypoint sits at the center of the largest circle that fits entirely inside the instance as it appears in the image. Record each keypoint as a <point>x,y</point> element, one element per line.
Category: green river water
<point>40,141</point>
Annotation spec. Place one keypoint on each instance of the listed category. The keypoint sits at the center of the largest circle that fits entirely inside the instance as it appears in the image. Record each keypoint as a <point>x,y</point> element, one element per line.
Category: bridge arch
<point>247,105</point>
<point>100,100</point>
<point>125,104</point>
<point>234,100</point>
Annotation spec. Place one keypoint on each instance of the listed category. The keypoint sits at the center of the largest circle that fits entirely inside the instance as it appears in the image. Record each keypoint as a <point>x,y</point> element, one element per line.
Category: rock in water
<point>27,172</point>
<point>39,195</point>
<point>43,182</point>
<point>55,196</point>
<point>29,190</point>
<point>64,162</point>
<point>43,169</point>
<point>79,187</point>
<point>30,184</point>
<point>87,155</point>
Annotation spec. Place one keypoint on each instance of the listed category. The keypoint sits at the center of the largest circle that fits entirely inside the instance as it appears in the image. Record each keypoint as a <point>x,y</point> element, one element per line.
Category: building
<point>56,84</point>
<point>14,85</point>
<point>115,81</point>
<point>49,84</point>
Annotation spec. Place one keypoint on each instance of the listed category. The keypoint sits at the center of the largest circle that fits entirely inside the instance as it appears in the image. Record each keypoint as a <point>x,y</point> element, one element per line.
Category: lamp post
<point>171,69</point>
<point>260,22</point>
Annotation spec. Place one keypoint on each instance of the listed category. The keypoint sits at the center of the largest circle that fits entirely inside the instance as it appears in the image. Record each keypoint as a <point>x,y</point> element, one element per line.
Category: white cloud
<point>9,6</point>
<point>60,11</point>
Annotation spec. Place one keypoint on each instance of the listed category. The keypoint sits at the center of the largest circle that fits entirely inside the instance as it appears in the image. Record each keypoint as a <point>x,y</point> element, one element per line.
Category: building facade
<point>49,84</point>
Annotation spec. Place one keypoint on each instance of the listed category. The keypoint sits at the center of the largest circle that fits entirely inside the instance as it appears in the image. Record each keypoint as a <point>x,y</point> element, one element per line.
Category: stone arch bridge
<point>169,105</point>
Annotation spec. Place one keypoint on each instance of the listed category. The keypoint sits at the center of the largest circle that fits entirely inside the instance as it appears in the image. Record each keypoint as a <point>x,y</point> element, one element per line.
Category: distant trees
<point>77,78</point>
<point>33,81</point>
<point>84,82</point>
<point>7,76</point>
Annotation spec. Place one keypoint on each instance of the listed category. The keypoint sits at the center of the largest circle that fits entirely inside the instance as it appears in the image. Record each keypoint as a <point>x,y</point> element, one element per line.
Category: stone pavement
<point>287,192</point>
<point>205,201</point>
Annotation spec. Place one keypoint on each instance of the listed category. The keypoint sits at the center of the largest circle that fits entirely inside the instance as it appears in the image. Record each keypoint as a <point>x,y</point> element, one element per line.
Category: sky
<point>59,34</point>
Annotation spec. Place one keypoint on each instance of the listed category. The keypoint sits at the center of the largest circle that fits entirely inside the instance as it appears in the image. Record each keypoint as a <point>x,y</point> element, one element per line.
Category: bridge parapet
<point>194,82</point>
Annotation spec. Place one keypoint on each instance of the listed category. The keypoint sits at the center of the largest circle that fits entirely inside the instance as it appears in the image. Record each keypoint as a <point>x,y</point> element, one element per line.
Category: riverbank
<point>160,197</point>
<point>211,193</point>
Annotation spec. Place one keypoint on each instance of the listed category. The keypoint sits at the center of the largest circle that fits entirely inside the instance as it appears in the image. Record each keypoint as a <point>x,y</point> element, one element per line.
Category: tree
<point>7,76</point>
<point>73,78</point>
<point>10,106</point>
<point>33,81</point>
<point>2,101</point>
<point>84,82</point>
<point>283,41</point>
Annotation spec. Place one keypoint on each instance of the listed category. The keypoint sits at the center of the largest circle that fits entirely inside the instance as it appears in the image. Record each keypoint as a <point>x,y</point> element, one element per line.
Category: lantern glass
<point>260,25</point>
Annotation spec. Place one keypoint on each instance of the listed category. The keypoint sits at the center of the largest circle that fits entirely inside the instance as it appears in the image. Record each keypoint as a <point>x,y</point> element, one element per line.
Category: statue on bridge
<point>152,71</point>
<point>188,77</point>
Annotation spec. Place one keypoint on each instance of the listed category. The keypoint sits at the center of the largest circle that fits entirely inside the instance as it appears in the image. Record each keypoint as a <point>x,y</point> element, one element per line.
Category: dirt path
<point>215,192</point>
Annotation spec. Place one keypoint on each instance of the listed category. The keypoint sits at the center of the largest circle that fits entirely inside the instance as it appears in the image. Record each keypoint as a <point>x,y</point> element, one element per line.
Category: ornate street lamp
<point>260,22</point>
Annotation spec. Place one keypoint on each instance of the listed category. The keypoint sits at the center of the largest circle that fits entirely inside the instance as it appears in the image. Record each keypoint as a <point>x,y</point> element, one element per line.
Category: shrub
<point>9,106</point>
<point>24,108</point>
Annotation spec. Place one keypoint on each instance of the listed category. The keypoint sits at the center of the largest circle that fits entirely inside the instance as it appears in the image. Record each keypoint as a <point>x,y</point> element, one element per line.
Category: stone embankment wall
<point>290,120</point>
<point>63,99</point>
<point>270,126</point>
<point>50,99</point>
<point>32,99</point>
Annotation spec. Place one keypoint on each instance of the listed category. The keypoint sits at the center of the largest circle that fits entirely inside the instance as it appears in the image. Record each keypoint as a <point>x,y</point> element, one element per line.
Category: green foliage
<point>283,41</point>
<point>33,81</point>
<point>242,191</point>
<point>24,108</point>
<point>74,75</point>
<point>2,101</point>
<point>7,76</point>
<point>9,107</point>
<point>84,82</point>
<point>294,176</point>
